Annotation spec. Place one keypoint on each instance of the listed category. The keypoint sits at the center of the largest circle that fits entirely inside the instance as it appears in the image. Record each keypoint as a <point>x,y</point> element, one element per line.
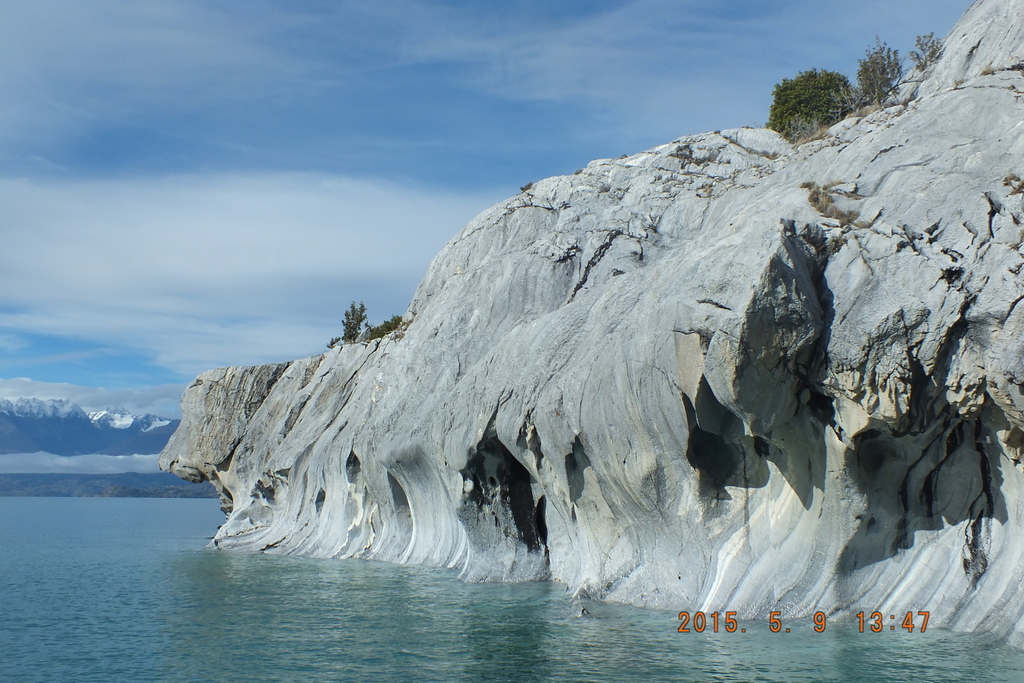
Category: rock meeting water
<point>125,590</point>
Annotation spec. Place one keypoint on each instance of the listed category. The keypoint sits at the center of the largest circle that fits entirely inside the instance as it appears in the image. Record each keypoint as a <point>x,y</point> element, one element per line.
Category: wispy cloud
<point>69,66</point>
<point>667,66</point>
<point>55,358</point>
<point>11,342</point>
<point>201,271</point>
<point>647,62</point>
<point>159,400</point>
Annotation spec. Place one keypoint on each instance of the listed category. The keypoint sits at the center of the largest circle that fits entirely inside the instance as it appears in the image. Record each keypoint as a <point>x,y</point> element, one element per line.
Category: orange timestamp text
<point>876,622</point>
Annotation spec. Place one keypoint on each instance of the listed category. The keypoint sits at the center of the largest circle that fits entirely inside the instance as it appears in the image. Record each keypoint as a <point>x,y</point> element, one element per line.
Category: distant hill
<point>29,425</point>
<point>127,485</point>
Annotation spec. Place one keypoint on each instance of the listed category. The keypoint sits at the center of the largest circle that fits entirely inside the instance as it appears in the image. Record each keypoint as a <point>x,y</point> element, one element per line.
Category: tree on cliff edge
<point>355,318</point>
<point>879,73</point>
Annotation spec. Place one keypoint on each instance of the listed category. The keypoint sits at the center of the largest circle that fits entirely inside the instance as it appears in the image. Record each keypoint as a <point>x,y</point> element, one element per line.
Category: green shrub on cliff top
<point>386,327</point>
<point>356,321</point>
<point>814,98</point>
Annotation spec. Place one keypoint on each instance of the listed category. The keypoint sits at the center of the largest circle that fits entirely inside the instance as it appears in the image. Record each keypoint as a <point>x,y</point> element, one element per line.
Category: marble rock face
<point>725,373</point>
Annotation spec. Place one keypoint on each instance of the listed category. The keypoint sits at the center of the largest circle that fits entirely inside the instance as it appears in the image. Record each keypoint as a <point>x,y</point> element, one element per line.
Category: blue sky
<point>193,183</point>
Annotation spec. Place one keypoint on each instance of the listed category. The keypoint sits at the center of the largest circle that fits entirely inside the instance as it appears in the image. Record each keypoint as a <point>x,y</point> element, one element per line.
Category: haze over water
<point>124,590</point>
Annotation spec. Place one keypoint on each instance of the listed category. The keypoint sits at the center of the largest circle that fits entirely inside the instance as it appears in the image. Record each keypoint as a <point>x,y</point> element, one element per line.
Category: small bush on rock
<point>355,323</point>
<point>386,327</point>
<point>811,100</point>
<point>929,49</point>
<point>824,203</point>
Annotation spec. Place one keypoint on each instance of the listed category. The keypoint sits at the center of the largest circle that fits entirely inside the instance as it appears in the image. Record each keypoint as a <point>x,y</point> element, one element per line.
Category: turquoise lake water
<point>106,589</point>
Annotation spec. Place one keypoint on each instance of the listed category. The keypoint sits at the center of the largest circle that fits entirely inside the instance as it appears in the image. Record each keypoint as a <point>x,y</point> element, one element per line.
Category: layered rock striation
<point>722,374</point>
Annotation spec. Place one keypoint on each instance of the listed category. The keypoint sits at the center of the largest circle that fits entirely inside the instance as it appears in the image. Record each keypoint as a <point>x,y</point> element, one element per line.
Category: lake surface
<point>98,589</point>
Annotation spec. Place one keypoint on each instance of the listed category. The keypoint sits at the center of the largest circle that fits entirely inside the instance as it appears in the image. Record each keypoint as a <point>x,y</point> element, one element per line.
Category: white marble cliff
<point>671,380</point>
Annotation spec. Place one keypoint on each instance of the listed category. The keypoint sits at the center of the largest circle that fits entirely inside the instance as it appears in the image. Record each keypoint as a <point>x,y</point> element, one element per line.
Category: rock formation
<point>725,373</point>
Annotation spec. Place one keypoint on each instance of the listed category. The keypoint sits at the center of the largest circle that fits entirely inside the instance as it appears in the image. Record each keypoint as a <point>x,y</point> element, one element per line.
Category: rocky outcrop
<point>721,374</point>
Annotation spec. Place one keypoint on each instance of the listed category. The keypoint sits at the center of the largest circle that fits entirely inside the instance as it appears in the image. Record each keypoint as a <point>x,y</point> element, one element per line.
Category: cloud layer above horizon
<point>199,270</point>
<point>47,463</point>
<point>162,400</point>
<point>187,184</point>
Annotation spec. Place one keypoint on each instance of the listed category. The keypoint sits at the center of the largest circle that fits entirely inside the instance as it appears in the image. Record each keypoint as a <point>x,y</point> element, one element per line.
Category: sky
<point>93,463</point>
<point>190,184</point>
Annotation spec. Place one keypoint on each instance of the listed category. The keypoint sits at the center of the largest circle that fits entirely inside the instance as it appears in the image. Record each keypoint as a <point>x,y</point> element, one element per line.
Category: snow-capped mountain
<point>61,427</point>
<point>38,408</point>
<point>119,418</point>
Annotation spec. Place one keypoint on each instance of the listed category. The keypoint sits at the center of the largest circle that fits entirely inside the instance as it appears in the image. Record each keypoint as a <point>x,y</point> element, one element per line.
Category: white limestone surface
<point>670,380</point>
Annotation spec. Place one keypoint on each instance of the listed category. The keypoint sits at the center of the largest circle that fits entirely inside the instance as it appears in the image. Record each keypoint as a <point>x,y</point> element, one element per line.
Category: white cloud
<point>45,463</point>
<point>65,66</point>
<point>11,342</point>
<point>200,271</point>
<point>160,400</point>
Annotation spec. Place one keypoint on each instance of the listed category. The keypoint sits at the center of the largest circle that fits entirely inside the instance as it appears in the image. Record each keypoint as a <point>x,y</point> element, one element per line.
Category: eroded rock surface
<point>721,374</point>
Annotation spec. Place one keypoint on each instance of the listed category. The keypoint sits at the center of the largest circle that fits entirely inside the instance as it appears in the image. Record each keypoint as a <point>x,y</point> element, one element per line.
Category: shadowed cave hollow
<point>725,456</point>
<point>502,495</point>
<point>403,512</point>
<point>956,479</point>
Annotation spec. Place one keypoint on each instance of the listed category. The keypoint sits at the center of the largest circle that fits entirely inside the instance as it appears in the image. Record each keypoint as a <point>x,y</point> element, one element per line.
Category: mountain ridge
<point>61,427</point>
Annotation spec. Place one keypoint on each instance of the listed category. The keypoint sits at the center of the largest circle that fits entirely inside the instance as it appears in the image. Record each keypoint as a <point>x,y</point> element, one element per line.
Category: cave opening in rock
<point>873,450</point>
<point>707,451</point>
<point>227,500</point>
<point>502,488</point>
<point>542,526</point>
<point>352,467</point>
<point>926,483</point>
<point>712,456</point>
<point>403,512</point>
<point>576,462</point>
<point>821,407</point>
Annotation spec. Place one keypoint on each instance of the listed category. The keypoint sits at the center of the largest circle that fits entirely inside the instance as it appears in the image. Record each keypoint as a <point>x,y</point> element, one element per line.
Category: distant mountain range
<point>28,425</point>
<point>123,485</point>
